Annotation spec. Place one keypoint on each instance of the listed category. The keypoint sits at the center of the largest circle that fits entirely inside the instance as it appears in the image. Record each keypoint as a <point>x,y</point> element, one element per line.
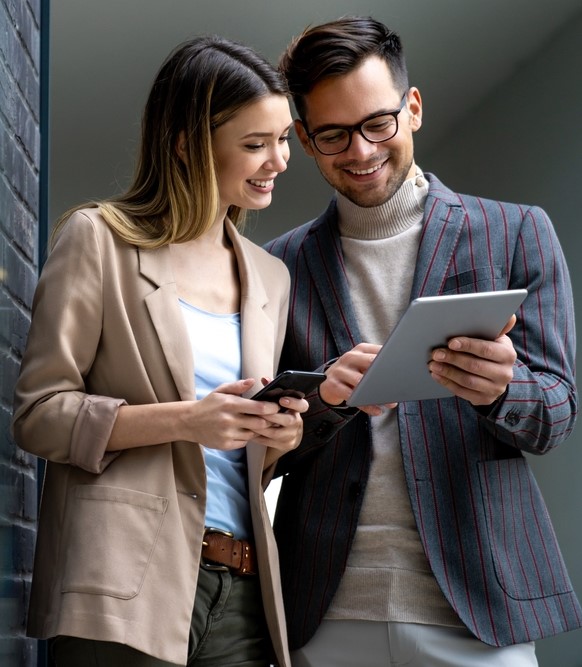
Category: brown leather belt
<point>221,551</point>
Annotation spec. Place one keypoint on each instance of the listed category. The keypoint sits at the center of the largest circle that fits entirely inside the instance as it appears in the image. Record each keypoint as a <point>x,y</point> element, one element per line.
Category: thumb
<point>509,326</point>
<point>237,388</point>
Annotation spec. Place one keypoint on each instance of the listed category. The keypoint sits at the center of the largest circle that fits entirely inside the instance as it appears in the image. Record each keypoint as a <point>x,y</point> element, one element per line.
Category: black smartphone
<point>290,383</point>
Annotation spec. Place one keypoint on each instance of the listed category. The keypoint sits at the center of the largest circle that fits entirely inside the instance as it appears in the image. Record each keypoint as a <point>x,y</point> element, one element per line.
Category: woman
<point>153,322</point>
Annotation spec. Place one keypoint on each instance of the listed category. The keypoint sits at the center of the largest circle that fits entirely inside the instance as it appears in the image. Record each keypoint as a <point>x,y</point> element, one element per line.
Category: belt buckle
<point>211,566</point>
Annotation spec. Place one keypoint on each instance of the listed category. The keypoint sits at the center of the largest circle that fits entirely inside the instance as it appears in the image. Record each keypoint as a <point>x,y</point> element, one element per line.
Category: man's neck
<point>396,215</point>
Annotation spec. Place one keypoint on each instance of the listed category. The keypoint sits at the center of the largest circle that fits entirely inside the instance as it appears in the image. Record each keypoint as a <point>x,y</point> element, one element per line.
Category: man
<point>415,534</point>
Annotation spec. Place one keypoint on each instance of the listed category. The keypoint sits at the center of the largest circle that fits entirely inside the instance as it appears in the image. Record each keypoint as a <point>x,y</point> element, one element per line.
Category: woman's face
<point>250,151</point>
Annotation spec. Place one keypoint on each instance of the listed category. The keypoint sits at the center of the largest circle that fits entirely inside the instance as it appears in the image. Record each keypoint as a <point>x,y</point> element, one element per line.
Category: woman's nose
<point>279,158</point>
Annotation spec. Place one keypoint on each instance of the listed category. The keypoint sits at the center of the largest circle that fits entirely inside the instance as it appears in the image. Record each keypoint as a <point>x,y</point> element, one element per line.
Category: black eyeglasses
<point>375,129</point>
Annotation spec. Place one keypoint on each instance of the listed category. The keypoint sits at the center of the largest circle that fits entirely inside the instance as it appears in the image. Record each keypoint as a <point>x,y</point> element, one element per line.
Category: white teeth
<point>261,184</point>
<point>363,172</point>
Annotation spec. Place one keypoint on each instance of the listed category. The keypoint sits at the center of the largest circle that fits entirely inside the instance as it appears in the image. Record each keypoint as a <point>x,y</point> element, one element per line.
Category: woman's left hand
<point>285,428</point>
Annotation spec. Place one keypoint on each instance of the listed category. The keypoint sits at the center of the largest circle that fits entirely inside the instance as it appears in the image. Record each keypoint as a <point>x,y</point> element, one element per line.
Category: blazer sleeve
<point>539,408</point>
<point>54,416</point>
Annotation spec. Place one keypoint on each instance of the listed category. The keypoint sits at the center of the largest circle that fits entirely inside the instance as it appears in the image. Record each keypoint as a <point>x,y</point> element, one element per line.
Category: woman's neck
<point>206,271</point>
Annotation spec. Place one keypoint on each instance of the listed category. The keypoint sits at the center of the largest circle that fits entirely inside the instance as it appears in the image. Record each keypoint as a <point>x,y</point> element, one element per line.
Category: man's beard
<point>373,197</point>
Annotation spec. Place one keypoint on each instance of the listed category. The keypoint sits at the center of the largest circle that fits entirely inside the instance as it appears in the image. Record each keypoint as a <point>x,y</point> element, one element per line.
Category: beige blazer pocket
<point>110,533</point>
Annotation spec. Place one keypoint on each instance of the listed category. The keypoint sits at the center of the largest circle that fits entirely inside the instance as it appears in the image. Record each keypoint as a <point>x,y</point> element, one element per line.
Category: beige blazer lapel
<point>257,329</point>
<point>168,322</point>
<point>257,338</point>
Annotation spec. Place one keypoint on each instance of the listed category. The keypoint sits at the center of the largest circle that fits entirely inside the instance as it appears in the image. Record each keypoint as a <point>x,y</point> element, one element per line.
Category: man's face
<point>368,174</point>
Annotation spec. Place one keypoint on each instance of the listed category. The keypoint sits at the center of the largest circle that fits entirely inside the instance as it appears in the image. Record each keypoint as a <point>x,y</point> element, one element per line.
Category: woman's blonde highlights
<point>173,198</point>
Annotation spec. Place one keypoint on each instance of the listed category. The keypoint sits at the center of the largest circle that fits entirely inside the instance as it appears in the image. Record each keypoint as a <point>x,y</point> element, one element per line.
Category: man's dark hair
<point>336,48</point>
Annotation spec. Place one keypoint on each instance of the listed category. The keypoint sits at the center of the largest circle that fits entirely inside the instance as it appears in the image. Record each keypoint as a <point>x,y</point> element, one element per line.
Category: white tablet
<point>400,373</point>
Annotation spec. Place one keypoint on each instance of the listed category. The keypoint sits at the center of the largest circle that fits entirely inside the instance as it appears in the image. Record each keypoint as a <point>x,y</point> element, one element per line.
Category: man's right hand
<point>345,373</point>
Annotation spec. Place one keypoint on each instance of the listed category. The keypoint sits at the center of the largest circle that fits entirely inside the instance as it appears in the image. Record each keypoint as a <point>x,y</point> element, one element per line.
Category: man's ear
<point>181,146</point>
<point>415,109</point>
<point>303,138</point>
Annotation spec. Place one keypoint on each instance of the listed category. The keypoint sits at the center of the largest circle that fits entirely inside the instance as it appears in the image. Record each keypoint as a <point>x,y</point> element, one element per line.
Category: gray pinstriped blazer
<point>480,514</point>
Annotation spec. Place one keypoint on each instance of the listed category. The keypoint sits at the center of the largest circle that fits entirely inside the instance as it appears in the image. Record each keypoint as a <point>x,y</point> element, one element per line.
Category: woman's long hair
<point>203,83</point>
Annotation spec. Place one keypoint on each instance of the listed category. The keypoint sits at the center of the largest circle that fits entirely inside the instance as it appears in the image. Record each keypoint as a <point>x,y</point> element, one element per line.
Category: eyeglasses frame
<point>350,129</point>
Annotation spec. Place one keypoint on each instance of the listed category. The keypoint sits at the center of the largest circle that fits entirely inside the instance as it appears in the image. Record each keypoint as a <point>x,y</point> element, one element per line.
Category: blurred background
<point>502,94</point>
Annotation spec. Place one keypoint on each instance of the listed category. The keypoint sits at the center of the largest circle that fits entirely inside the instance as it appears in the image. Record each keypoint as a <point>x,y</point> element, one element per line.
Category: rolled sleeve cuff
<point>91,433</point>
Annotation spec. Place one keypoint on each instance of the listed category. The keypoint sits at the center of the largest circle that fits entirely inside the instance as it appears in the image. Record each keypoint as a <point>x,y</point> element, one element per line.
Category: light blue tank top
<point>216,348</point>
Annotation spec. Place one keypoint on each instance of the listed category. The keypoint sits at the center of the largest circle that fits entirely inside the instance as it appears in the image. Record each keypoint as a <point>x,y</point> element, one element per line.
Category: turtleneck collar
<point>404,209</point>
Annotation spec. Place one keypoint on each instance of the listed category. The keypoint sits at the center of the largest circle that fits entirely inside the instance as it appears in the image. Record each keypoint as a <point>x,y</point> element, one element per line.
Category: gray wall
<point>524,143</point>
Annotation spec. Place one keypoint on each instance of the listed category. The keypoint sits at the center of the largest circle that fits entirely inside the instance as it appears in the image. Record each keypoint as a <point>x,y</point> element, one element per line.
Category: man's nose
<point>360,148</point>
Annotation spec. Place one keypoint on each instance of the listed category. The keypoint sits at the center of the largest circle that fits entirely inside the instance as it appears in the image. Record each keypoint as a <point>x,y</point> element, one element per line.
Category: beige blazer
<point>120,534</point>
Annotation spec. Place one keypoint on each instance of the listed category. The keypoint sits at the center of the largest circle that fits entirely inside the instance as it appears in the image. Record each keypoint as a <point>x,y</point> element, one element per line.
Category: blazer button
<point>323,429</point>
<point>512,417</point>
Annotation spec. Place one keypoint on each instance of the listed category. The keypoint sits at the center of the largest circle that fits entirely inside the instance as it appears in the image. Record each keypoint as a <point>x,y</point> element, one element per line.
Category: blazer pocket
<point>480,279</point>
<point>110,535</point>
<point>523,546</point>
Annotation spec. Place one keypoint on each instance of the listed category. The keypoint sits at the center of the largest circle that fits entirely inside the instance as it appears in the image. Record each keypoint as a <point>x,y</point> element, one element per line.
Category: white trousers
<point>374,644</point>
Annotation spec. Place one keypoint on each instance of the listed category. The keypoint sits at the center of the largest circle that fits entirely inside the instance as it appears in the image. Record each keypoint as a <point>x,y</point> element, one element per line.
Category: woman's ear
<point>181,146</point>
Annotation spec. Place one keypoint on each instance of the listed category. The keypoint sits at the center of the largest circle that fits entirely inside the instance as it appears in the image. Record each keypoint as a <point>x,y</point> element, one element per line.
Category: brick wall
<point>19,206</point>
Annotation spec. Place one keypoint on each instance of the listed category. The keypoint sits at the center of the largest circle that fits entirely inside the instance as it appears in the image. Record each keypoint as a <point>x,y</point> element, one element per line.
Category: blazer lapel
<point>324,258</point>
<point>257,337</point>
<point>257,330</point>
<point>443,222</point>
<point>167,319</point>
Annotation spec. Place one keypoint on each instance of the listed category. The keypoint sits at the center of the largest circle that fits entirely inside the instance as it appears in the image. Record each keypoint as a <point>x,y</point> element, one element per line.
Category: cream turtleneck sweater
<point>388,577</point>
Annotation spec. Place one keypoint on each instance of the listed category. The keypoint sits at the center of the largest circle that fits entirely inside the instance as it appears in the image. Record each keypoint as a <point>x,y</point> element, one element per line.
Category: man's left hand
<point>476,370</point>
